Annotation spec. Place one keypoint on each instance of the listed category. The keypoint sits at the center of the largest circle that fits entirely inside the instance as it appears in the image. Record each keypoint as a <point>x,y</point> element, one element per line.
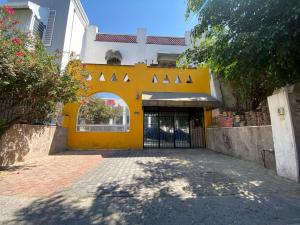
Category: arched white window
<point>103,112</point>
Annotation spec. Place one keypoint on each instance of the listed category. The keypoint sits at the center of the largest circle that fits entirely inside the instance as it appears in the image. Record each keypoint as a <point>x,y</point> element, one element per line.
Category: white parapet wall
<point>284,106</point>
<point>22,142</point>
<point>136,50</point>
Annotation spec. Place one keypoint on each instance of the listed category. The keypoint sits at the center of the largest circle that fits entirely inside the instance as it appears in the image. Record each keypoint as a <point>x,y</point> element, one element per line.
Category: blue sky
<point>160,17</point>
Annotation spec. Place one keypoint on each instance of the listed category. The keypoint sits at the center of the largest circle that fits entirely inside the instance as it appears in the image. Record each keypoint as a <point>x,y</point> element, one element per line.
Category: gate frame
<point>174,109</point>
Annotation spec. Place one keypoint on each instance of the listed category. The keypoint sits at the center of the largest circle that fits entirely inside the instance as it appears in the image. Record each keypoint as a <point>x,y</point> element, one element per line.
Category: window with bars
<point>114,61</point>
<point>38,28</point>
<point>49,29</point>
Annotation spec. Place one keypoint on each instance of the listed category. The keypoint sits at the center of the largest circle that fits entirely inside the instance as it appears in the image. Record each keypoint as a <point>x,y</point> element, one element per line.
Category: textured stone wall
<point>253,143</point>
<point>30,141</point>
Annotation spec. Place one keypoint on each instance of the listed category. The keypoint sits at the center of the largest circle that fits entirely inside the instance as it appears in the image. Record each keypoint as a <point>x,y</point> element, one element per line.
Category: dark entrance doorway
<point>173,128</point>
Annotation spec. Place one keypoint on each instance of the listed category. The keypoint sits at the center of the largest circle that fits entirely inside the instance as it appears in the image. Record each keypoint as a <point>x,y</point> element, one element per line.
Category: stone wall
<point>253,143</point>
<point>30,141</point>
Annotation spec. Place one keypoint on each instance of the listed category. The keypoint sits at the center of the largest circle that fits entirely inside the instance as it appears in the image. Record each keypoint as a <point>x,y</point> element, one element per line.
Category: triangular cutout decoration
<point>178,80</point>
<point>189,80</point>
<point>114,77</point>
<point>154,79</point>
<point>166,80</point>
<point>101,77</point>
<point>89,78</point>
<point>126,78</point>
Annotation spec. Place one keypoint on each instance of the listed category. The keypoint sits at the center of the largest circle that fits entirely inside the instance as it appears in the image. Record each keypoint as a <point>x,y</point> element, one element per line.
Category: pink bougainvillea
<point>19,61</point>
<point>30,77</point>
<point>16,41</point>
<point>8,9</point>
<point>19,54</point>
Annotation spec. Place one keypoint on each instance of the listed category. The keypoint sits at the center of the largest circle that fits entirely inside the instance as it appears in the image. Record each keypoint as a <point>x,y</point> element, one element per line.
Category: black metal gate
<point>173,128</point>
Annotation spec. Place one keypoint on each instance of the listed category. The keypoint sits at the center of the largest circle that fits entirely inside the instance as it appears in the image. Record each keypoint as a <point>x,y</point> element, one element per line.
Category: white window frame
<point>128,126</point>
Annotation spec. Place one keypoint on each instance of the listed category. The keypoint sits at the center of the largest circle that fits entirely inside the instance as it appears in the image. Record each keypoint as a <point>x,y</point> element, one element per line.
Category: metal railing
<point>102,128</point>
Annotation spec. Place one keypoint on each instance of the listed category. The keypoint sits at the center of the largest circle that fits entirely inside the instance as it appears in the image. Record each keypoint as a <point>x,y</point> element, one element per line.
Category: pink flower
<point>15,22</point>
<point>16,41</point>
<point>8,9</point>
<point>19,54</point>
<point>2,23</point>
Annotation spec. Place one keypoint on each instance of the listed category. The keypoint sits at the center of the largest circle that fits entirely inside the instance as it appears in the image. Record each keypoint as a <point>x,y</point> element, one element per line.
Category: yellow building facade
<point>162,106</point>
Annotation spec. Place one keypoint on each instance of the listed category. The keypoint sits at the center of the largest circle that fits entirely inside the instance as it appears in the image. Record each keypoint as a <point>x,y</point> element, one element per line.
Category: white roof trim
<point>81,11</point>
<point>19,5</point>
<point>28,5</point>
<point>37,10</point>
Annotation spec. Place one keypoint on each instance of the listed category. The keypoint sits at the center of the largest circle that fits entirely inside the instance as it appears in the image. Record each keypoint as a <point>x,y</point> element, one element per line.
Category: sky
<point>160,17</point>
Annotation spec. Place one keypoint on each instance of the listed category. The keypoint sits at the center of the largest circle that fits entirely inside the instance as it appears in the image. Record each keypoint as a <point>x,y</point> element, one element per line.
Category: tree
<point>96,111</point>
<point>253,44</point>
<point>31,82</point>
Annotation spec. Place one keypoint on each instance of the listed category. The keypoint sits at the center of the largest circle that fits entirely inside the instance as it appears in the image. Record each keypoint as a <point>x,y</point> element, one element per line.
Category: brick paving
<point>38,178</point>
<point>160,187</point>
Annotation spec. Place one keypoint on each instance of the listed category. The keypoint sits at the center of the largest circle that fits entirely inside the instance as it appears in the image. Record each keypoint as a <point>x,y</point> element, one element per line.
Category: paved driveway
<point>150,187</point>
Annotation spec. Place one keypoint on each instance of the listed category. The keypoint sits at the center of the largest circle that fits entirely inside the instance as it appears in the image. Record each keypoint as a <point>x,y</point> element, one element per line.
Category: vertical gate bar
<point>144,130</point>
<point>174,136</point>
<point>190,139</point>
<point>158,117</point>
<point>204,130</point>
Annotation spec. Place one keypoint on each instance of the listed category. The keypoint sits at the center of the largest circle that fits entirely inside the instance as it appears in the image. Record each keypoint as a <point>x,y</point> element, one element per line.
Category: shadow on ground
<point>168,193</point>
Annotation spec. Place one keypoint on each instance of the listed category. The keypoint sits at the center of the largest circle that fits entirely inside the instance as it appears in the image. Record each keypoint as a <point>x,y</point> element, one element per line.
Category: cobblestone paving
<point>164,187</point>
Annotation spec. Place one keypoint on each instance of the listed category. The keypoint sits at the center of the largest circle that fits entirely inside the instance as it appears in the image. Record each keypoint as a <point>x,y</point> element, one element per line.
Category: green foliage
<point>95,111</point>
<point>253,44</point>
<point>31,82</point>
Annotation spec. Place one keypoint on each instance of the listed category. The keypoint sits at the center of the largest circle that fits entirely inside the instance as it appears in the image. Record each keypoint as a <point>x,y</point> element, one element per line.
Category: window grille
<point>49,29</point>
<point>38,28</point>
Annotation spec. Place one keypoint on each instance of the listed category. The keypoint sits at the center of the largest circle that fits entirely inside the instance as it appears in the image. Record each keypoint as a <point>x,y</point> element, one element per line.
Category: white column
<point>124,118</point>
<point>285,145</point>
<point>188,38</point>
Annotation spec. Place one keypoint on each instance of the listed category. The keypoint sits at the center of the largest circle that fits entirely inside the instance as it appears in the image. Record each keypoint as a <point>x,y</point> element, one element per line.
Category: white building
<point>100,48</point>
<point>64,26</point>
<point>60,23</point>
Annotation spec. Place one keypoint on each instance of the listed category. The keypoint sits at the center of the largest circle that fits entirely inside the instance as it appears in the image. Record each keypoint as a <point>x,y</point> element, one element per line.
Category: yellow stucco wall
<point>140,81</point>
